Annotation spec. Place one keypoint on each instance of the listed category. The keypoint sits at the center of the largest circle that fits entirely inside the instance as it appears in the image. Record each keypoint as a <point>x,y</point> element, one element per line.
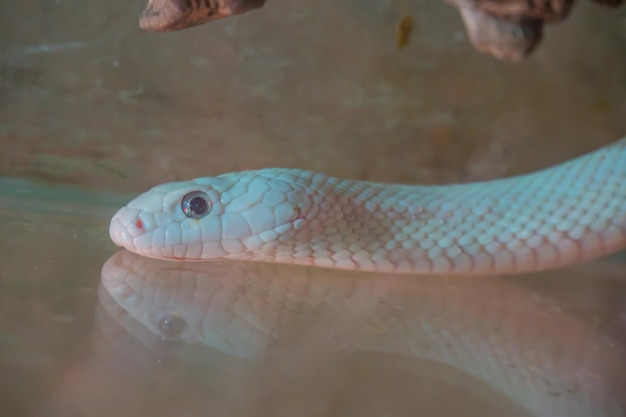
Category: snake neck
<point>570,213</point>
<point>365,226</point>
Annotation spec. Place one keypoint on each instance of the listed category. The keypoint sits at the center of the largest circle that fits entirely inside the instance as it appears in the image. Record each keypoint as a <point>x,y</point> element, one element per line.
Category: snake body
<point>569,213</point>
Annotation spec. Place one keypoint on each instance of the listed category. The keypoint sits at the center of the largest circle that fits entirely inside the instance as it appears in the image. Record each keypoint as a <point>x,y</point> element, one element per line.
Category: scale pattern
<point>569,213</point>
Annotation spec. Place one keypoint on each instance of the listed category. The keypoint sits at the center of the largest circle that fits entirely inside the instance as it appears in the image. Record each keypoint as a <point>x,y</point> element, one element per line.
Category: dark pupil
<point>171,326</point>
<point>198,205</point>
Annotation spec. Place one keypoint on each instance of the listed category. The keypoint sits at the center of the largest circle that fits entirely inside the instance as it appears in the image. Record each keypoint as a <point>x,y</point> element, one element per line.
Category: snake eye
<point>172,326</point>
<point>196,205</point>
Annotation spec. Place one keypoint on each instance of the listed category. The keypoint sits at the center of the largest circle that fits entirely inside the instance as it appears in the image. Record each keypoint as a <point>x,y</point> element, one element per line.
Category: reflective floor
<point>86,330</point>
<point>93,111</point>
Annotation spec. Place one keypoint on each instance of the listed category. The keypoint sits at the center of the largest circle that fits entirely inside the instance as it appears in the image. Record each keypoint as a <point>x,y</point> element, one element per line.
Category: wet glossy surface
<point>89,331</point>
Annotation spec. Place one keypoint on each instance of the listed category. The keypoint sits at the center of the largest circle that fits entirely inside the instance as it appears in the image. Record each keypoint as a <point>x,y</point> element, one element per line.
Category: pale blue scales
<point>569,213</point>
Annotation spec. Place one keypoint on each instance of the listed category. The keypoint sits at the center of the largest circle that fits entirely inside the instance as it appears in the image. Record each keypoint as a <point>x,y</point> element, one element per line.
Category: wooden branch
<point>171,15</point>
<point>508,30</point>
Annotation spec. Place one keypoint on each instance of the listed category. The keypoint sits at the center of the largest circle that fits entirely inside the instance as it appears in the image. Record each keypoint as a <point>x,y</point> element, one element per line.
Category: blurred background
<point>90,99</point>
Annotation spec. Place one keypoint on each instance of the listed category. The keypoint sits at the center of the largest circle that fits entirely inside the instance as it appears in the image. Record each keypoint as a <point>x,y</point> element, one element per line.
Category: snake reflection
<point>524,346</point>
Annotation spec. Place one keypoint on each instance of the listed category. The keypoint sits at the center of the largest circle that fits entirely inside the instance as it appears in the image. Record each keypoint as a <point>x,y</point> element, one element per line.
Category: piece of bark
<point>503,39</point>
<point>545,10</point>
<point>171,15</point>
<point>508,30</point>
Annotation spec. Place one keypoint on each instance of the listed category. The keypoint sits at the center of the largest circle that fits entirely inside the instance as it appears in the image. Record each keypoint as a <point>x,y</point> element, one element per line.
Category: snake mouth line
<point>176,258</point>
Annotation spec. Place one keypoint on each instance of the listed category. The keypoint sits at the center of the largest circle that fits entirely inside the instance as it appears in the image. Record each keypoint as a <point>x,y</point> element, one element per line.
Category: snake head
<point>227,216</point>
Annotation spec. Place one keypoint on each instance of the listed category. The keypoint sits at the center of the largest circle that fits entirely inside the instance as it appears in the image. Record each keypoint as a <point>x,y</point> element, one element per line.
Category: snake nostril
<point>138,223</point>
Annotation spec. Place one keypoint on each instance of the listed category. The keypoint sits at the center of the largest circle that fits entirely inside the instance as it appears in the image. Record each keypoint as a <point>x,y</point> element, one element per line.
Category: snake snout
<point>126,225</point>
<point>118,233</point>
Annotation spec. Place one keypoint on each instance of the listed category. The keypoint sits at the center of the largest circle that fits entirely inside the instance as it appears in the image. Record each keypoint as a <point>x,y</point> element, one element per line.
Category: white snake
<point>569,213</point>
